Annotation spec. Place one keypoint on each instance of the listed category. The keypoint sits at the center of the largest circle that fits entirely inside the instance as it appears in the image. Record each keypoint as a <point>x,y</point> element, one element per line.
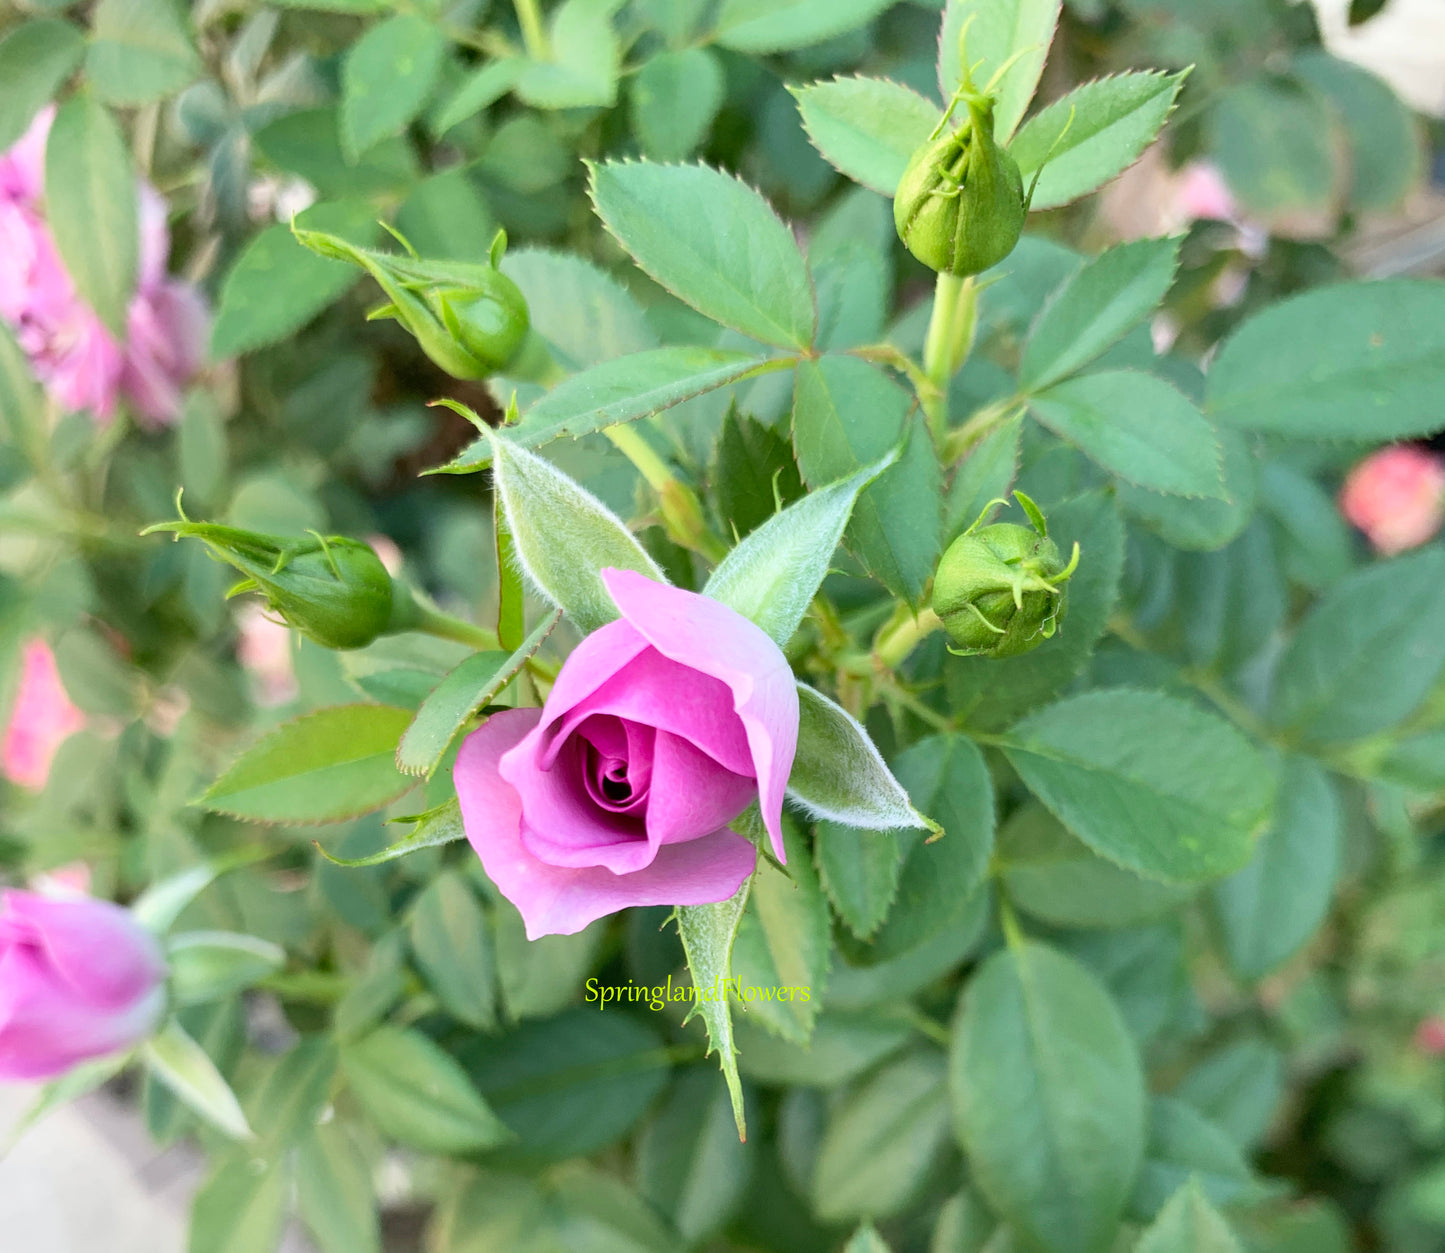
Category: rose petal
<point>707,636</point>
<point>557,901</point>
<point>691,794</point>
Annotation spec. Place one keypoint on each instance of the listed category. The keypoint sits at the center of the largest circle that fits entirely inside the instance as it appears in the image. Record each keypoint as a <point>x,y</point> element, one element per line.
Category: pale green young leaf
<point>582,63</point>
<point>1000,33</point>
<point>483,87</point>
<point>1096,131</point>
<point>184,1067</point>
<point>1048,1097</point>
<point>882,1142</point>
<point>209,965</point>
<point>714,242</point>
<point>1109,296</point>
<point>838,773</point>
<point>386,79</point>
<point>35,58</point>
<point>564,535</point>
<point>451,942</point>
<point>1363,360</point>
<point>1271,907</point>
<point>1138,427</point>
<point>673,99</point>
<point>87,164</point>
<point>1189,1224</point>
<point>867,128</point>
<point>1156,785</point>
<point>763,26</point>
<point>323,767</point>
<point>418,1094</point>
<point>140,50</point>
<point>708,932</point>
<point>773,573</point>
<point>335,1194</point>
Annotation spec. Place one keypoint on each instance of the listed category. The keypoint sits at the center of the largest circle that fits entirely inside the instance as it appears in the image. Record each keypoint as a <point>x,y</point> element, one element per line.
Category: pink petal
<point>41,719</point>
<point>557,901</point>
<point>706,636</point>
<point>691,794</point>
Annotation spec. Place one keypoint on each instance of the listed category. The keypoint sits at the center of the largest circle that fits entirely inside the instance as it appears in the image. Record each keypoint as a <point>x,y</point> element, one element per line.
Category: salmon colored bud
<point>1396,496</point>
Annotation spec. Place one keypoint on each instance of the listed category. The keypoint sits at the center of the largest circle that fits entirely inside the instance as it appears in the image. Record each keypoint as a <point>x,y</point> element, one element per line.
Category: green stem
<point>903,634</point>
<point>926,1026</point>
<point>1008,920</point>
<point>948,343</point>
<point>682,514</point>
<point>529,18</point>
<point>444,626</point>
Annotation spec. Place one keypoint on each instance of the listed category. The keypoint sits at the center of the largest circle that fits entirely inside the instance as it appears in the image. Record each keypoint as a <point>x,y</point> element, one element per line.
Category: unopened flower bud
<point>960,205</point>
<point>1001,590</point>
<point>469,318</point>
<point>332,589</point>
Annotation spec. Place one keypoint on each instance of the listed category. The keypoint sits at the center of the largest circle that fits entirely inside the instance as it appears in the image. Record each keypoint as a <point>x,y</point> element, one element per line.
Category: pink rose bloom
<point>1396,496</point>
<point>263,647</point>
<point>79,978</point>
<point>74,356</point>
<point>661,728</point>
<point>41,719</point>
<point>1201,192</point>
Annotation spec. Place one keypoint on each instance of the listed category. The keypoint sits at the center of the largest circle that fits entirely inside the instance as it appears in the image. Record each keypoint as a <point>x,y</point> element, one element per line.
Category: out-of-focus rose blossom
<point>41,719</point>
<point>75,357</point>
<point>1201,192</point>
<point>1430,1035</point>
<point>79,978</point>
<point>387,550</point>
<point>1396,497</point>
<point>264,649</point>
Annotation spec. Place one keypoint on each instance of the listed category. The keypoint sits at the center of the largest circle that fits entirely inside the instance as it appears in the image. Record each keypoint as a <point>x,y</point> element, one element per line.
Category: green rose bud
<point>1001,590</point>
<point>960,205</point>
<point>469,318</point>
<point>332,589</point>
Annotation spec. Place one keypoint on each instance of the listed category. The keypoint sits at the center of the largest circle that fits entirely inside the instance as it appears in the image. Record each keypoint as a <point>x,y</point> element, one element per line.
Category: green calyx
<point>1001,590</point>
<point>332,589</point>
<point>469,318</point>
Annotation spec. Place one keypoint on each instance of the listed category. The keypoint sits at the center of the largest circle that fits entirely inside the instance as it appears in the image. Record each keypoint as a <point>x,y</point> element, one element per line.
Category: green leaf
<point>1189,1224</point>
<point>783,942</point>
<point>458,698</point>
<point>882,1142</point>
<point>418,1095</point>
<point>859,870</point>
<point>897,523</point>
<point>183,1066</point>
<point>838,773</point>
<point>772,575</point>
<point>386,79</point>
<point>582,59</point>
<point>564,535</point>
<point>571,1084</point>
<point>87,164</point>
<point>442,825</point>
<point>1368,652</point>
<point>1362,361</point>
<point>294,1092</point>
<point>1385,157</point>
<point>95,677</point>
<point>480,89</point>
<point>690,1163</point>
<point>1203,524</point>
<point>867,128</point>
<point>946,779</point>
<point>140,50</point>
<point>867,1240</point>
<point>1417,761</point>
<point>22,403</point>
<point>540,977</point>
<point>1048,1098</point>
<point>843,1046</point>
<point>35,58</point>
<point>1183,1146</point>
<point>1158,786</point>
<point>323,767</point>
<point>201,451</point>
<point>1238,1087</point>
<point>1273,142</point>
<point>985,475</point>
<point>1138,427</point>
<point>1091,134</point>
<point>1143,968</point>
<point>1055,878</point>
<point>754,474</point>
<point>846,414</point>
<point>334,1190</point>
<point>240,1208</point>
<point>762,26</point>
<point>708,932</point>
<point>998,31</point>
<point>374,989</point>
<point>452,945</point>
<point>673,99</point>
<point>210,965</point>
<point>1103,301</point>
<point>276,286</point>
<point>586,316</point>
<point>1267,910</point>
<point>622,390</point>
<point>712,241</point>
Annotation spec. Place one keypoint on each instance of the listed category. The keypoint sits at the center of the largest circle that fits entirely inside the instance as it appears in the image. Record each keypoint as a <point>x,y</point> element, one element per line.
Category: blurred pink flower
<point>1201,192</point>
<point>41,719</point>
<point>1396,496</point>
<point>264,650</point>
<point>387,552</point>
<point>77,360</point>
<point>1430,1035</point>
